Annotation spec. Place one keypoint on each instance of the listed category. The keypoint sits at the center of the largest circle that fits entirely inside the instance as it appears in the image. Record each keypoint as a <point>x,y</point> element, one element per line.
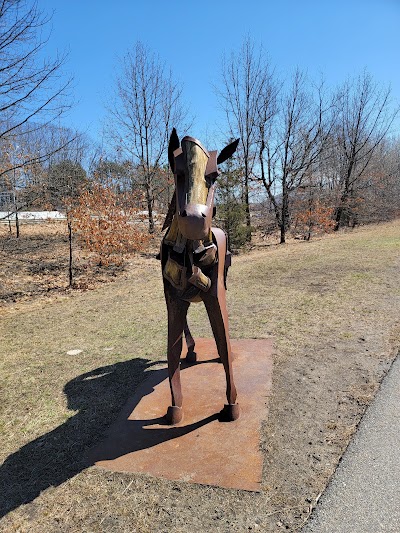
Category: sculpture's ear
<point>172,146</point>
<point>227,152</point>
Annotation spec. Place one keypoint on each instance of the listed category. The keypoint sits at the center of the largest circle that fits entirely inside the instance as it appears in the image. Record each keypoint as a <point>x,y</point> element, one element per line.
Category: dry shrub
<point>313,218</point>
<point>107,224</point>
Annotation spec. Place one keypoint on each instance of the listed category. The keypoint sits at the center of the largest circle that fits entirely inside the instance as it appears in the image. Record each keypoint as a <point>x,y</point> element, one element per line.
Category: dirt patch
<point>36,265</point>
<point>332,307</point>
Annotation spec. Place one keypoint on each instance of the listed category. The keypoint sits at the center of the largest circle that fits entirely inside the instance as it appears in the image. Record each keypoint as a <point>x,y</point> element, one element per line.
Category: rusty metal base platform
<point>200,449</point>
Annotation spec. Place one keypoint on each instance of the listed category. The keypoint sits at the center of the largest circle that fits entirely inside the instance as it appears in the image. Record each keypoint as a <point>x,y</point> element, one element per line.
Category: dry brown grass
<point>331,305</point>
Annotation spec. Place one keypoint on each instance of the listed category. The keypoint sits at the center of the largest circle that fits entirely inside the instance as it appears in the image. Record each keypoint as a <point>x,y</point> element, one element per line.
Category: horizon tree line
<point>309,151</point>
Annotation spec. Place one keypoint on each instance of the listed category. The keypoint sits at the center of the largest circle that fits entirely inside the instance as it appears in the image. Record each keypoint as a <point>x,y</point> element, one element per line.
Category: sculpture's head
<point>195,171</point>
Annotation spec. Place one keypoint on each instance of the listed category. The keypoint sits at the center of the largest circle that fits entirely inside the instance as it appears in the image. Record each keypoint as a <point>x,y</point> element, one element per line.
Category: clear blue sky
<point>338,38</point>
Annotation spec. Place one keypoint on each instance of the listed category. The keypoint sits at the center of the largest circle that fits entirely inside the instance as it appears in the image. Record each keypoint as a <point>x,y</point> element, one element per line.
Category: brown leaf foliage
<point>313,218</point>
<point>107,224</point>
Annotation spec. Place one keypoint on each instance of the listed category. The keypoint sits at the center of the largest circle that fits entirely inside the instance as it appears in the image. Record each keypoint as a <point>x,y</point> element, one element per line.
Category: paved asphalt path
<point>364,493</point>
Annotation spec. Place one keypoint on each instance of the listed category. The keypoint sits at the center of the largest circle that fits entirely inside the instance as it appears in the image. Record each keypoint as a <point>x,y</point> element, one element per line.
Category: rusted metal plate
<point>200,449</point>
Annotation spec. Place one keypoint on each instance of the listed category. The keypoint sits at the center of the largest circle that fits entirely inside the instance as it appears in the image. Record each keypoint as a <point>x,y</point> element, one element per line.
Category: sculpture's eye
<point>209,181</point>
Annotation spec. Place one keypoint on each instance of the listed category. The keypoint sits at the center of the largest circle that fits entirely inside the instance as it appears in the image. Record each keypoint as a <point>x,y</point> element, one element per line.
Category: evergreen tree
<point>231,211</point>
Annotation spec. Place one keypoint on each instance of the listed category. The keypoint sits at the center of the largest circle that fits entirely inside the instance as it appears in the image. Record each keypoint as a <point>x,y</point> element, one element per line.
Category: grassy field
<point>332,307</point>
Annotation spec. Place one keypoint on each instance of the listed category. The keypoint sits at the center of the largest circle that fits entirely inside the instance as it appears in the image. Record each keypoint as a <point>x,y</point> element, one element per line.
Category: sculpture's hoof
<point>229,413</point>
<point>174,415</point>
<point>191,357</point>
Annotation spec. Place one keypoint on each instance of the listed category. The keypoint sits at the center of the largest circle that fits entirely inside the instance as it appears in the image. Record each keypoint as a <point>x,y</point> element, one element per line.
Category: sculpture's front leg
<point>218,314</point>
<point>215,310</point>
<point>177,311</point>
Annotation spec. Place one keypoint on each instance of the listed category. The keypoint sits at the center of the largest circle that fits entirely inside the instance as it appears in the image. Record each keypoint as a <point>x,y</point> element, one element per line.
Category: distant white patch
<point>74,352</point>
<point>109,349</point>
<point>33,215</point>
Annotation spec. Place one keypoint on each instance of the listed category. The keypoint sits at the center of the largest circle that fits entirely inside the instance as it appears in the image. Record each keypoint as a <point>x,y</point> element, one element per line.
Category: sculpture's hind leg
<point>216,312</point>
<point>177,311</point>
<point>191,356</point>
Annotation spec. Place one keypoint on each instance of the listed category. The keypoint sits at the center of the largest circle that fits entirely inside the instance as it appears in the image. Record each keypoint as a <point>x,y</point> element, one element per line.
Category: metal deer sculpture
<point>195,261</point>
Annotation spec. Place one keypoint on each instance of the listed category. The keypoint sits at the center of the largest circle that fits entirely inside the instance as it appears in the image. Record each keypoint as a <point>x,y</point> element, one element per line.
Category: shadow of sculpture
<point>60,454</point>
<point>139,435</point>
<point>129,435</point>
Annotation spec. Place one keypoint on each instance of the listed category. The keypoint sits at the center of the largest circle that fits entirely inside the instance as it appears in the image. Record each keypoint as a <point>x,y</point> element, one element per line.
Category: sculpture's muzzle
<point>194,221</point>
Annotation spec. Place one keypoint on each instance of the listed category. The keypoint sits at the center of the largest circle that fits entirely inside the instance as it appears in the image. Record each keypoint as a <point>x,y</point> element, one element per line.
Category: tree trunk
<point>284,213</point>
<point>16,222</point>
<point>70,253</point>
<point>150,210</point>
<point>338,218</point>
<point>340,213</point>
<point>283,234</point>
<point>310,217</point>
<point>247,204</point>
<point>246,200</point>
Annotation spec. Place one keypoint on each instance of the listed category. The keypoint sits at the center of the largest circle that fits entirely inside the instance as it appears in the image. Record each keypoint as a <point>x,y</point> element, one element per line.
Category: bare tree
<point>364,119</point>
<point>377,193</point>
<point>147,105</point>
<point>33,92</point>
<point>38,167</point>
<point>291,143</point>
<point>112,173</point>
<point>248,95</point>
